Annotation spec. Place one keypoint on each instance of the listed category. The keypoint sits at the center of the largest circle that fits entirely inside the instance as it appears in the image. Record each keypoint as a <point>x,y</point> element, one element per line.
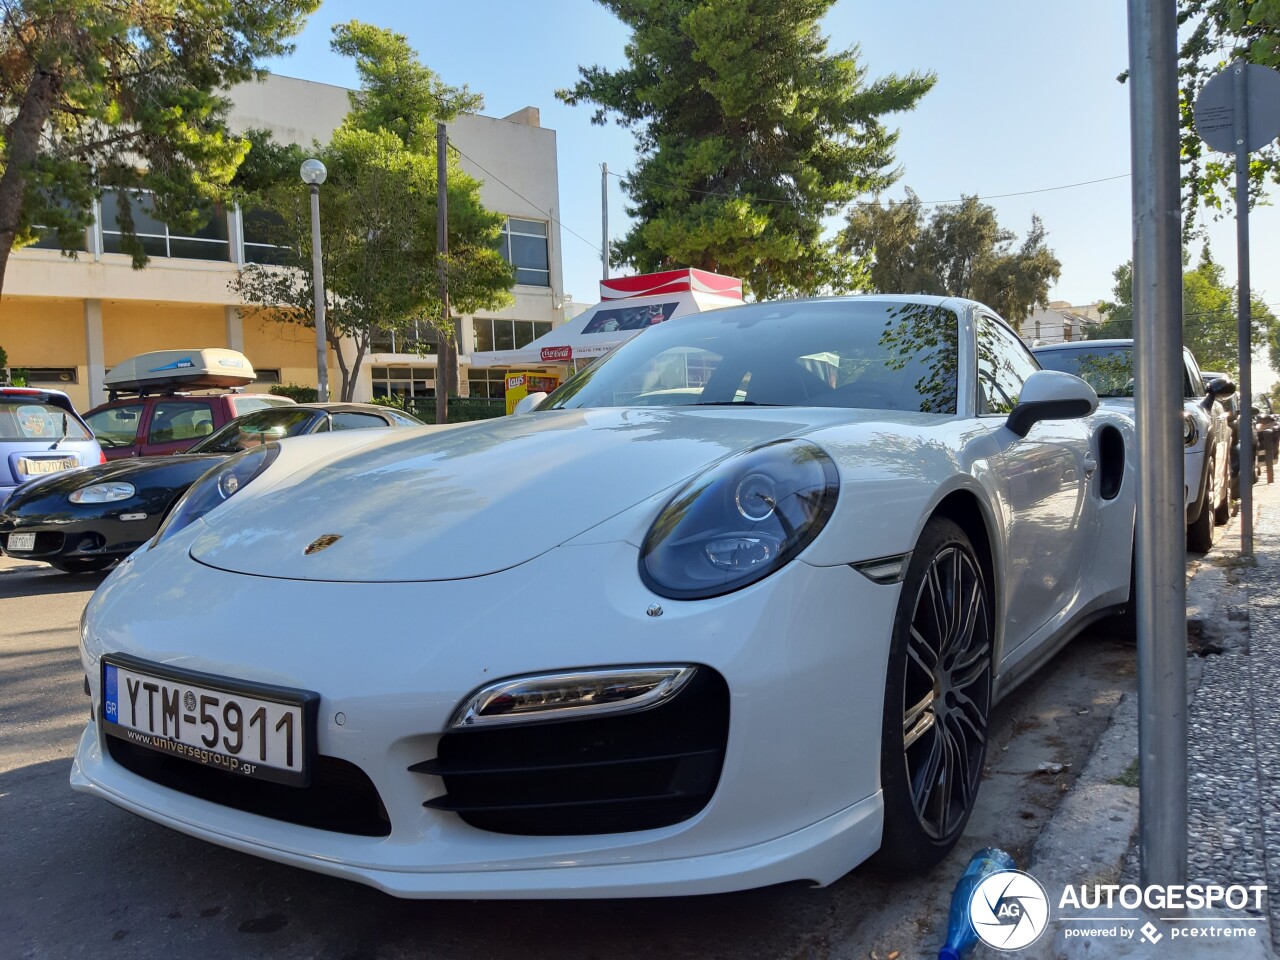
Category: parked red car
<point>155,426</point>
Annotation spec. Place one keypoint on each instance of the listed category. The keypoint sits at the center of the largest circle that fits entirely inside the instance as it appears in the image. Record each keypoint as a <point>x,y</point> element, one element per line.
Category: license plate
<point>22,542</point>
<point>35,468</point>
<point>249,730</point>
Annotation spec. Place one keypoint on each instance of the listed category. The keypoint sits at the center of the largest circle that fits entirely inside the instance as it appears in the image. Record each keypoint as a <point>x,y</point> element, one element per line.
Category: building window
<point>209,242</point>
<point>267,376</point>
<point>524,246</point>
<point>262,228</point>
<point>57,376</point>
<point>495,334</point>
<point>487,382</point>
<point>403,381</point>
<point>421,338</point>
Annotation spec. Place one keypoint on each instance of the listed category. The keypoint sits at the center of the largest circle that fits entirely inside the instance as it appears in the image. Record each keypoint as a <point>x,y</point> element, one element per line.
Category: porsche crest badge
<point>322,543</point>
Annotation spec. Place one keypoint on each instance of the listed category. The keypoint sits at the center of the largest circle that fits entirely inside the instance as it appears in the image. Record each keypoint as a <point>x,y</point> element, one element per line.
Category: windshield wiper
<point>64,433</point>
<point>735,403</point>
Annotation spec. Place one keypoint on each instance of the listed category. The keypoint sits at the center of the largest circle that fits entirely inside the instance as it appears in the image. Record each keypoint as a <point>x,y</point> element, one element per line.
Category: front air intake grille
<point>610,774</point>
<point>341,797</point>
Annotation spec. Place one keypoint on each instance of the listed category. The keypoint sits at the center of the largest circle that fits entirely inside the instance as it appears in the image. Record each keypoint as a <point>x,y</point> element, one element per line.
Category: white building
<point>1058,323</point>
<point>67,320</point>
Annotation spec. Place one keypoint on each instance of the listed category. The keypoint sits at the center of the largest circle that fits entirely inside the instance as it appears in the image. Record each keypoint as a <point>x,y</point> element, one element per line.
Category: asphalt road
<point>82,878</point>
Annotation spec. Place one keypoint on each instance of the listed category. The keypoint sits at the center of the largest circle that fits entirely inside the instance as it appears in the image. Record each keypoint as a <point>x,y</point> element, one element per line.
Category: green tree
<point>959,250</point>
<point>124,95</point>
<point>1222,31</point>
<point>1209,327</point>
<point>378,214</point>
<point>749,131</point>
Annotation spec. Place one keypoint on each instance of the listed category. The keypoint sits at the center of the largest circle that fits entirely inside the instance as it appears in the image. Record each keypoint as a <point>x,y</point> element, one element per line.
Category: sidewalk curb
<point>1091,835</point>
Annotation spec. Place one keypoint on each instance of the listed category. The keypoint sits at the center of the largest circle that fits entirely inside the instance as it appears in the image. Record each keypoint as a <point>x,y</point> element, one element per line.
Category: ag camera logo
<point>1009,910</point>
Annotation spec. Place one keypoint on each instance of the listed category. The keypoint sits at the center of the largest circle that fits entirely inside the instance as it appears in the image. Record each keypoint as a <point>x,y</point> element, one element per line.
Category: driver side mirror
<point>526,404</point>
<point>1051,395</point>
<point>1218,389</point>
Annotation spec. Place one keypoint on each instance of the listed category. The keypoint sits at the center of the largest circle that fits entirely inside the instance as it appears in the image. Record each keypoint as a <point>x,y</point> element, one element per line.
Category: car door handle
<point>1090,467</point>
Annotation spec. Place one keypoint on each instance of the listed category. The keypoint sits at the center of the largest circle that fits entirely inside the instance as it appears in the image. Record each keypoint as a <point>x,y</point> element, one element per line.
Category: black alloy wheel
<point>937,700</point>
<point>1200,531</point>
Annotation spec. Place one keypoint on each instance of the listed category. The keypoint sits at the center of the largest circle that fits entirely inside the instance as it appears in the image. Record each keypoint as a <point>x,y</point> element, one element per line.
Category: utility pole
<point>444,347</point>
<point>604,218</point>
<point>1161,510</point>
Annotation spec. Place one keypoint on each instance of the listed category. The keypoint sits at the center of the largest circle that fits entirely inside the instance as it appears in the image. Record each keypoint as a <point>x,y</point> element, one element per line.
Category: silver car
<point>1206,430</point>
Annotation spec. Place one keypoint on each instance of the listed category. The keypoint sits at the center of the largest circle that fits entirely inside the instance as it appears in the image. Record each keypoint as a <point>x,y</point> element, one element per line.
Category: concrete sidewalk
<point>1233,769</point>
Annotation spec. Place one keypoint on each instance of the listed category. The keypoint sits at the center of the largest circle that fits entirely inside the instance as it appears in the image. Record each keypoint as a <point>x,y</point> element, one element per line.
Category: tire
<point>1126,622</point>
<point>937,701</point>
<point>82,564</point>
<point>1200,531</point>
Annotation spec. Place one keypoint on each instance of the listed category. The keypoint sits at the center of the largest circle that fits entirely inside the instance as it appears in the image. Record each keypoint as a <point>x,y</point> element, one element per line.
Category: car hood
<point>113,471</point>
<point>468,501</point>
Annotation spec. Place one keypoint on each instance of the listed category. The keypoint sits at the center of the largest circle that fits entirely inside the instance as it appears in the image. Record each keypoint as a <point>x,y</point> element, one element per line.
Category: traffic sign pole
<point>1161,511</point>
<point>1244,324</point>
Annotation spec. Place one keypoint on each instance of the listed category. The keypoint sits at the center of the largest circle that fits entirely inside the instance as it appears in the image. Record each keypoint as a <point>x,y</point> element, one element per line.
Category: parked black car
<point>85,520</point>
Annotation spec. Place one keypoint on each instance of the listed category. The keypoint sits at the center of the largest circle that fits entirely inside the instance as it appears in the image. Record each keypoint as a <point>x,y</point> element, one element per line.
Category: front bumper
<point>802,652</point>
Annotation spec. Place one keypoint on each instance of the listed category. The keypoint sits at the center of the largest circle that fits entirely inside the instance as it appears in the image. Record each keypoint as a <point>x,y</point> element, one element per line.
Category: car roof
<point>1076,344</point>
<point>350,407</point>
<point>55,397</point>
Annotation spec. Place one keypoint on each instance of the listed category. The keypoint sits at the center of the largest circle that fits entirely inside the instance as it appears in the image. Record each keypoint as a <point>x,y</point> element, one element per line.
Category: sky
<point>1026,100</point>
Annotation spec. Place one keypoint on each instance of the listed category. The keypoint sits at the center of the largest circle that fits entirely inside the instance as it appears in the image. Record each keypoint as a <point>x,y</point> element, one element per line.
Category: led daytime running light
<point>572,695</point>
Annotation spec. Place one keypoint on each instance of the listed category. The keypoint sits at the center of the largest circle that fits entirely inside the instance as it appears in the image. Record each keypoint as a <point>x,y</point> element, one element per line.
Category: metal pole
<point>442,248</point>
<point>1244,323</point>
<point>317,271</point>
<point>1161,520</point>
<point>604,218</point>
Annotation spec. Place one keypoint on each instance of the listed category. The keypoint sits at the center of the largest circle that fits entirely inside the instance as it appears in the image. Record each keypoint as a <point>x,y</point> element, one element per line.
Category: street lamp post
<point>313,174</point>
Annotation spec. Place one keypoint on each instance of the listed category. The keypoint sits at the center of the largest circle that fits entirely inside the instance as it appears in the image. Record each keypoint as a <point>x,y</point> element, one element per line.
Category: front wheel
<point>937,701</point>
<point>1200,531</point>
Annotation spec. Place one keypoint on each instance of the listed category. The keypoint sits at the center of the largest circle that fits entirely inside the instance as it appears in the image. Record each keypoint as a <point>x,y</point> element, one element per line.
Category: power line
<point>545,213</point>
<point>863,203</point>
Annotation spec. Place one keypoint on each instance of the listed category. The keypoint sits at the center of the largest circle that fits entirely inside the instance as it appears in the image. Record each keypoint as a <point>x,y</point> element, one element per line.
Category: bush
<point>461,409</point>
<point>296,392</point>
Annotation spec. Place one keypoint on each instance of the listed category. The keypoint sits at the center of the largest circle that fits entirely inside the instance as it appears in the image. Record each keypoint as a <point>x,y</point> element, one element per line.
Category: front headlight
<point>103,493</point>
<point>215,487</point>
<point>1189,432</point>
<point>739,521</point>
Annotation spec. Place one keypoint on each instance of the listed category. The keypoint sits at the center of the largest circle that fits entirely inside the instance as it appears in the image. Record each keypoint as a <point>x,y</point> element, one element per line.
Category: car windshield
<point>826,353</point>
<point>1109,370</point>
<point>261,426</point>
<point>33,419</point>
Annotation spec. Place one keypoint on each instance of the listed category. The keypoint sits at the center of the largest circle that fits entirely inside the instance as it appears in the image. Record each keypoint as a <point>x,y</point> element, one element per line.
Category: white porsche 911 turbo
<point>732,607</point>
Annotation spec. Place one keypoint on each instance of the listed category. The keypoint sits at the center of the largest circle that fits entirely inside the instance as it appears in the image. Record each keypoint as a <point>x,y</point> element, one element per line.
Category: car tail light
<point>102,457</point>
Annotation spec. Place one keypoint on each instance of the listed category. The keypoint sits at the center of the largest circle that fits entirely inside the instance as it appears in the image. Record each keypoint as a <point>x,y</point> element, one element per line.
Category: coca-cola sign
<point>556,354</point>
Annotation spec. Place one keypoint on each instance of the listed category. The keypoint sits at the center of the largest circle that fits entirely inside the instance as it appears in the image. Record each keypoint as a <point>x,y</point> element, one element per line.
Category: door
<point>117,429</point>
<point>176,423</point>
<point>1046,489</point>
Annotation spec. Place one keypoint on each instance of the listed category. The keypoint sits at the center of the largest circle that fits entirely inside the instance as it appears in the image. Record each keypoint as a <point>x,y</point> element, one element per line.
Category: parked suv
<point>1107,365</point>
<point>41,434</point>
<point>157,426</point>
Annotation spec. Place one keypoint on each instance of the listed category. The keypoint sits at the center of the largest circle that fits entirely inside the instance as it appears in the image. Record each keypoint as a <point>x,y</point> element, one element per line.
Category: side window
<point>356,421</point>
<point>179,420</point>
<point>116,426</point>
<point>1192,381</point>
<point>1004,364</point>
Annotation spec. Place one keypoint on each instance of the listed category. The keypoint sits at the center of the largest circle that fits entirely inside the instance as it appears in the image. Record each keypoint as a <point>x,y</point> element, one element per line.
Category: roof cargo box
<point>169,370</point>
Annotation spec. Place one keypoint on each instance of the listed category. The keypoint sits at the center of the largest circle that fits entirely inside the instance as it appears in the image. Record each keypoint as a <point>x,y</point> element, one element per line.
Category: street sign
<point>1215,109</point>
